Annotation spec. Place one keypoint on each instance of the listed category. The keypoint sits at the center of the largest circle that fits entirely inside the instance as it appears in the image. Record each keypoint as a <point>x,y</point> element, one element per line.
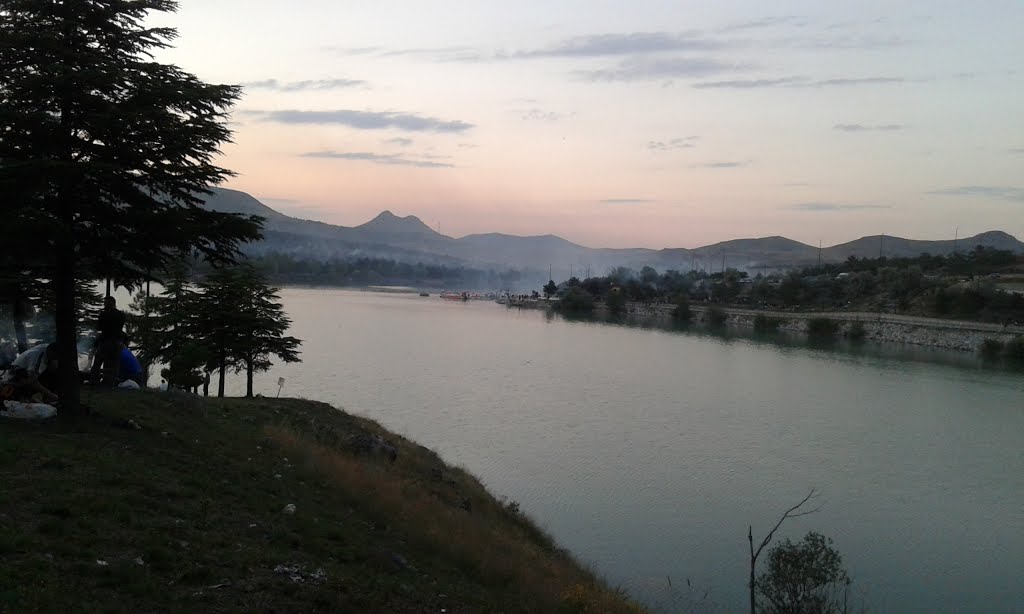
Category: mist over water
<point>648,452</point>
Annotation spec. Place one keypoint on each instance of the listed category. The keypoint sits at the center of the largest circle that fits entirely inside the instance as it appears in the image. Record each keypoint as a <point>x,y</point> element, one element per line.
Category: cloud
<point>1017,150</point>
<point>543,116</point>
<point>797,81</point>
<point>604,45</point>
<point>645,68</point>
<point>677,143</point>
<point>400,141</point>
<point>855,81</point>
<point>868,128</point>
<point>1009,194</point>
<point>365,120</point>
<point>748,83</point>
<point>766,22</point>
<point>826,207</point>
<point>302,86</point>
<point>626,201</point>
<point>724,164</point>
<point>387,159</point>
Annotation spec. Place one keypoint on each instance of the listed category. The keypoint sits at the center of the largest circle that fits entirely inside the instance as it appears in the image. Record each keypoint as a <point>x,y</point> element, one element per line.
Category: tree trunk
<point>206,385</point>
<point>19,315</point>
<point>248,378</point>
<point>67,329</point>
<point>220,385</point>
<point>753,562</point>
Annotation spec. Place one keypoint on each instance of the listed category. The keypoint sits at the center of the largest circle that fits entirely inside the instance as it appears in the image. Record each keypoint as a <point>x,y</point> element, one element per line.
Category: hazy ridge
<point>408,239</point>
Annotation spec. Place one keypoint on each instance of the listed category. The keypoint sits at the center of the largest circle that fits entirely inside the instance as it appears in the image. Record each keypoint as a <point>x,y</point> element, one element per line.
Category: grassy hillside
<point>164,502</point>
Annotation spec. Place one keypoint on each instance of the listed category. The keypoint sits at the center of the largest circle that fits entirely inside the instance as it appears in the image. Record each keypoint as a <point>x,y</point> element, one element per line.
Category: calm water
<point>648,452</point>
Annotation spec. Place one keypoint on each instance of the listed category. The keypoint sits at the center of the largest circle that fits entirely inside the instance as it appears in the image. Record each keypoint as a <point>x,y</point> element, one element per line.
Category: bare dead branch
<point>793,512</point>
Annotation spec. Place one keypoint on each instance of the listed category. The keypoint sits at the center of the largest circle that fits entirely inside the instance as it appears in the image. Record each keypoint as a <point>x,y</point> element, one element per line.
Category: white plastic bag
<point>28,411</point>
<point>129,384</point>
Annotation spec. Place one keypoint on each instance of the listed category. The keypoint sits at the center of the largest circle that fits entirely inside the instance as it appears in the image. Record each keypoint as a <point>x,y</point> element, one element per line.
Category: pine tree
<point>105,154</point>
<point>241,324</point>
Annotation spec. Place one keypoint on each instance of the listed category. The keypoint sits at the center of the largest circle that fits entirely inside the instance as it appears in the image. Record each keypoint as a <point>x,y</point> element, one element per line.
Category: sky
<point>625,124</point>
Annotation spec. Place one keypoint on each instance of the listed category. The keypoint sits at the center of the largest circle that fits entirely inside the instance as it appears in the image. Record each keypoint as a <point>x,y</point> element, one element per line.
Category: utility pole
<point>881,242</point>
<point>570,272</point>
<point>550,278</point>
<point>819,253</point>
<point>956,240</point>
<point>723,262</point>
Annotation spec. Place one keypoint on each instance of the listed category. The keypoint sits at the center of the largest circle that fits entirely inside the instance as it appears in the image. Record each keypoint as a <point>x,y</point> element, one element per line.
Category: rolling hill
<point>408,239</point>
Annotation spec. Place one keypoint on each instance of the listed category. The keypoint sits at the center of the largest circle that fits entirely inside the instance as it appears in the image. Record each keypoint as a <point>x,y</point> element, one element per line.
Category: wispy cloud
<point>302,86</point>
<point>647,68</point>
<point>672,144</point>
<point>539,115</point>
<point>400,141</point>
<point>748,83</point>
<point>855,81</point>
<point>797,81</point>
<point>365,120</point>
<point>387,159</point>
<point>1017,150</point>
<point>633,43</point>
<point>869,128</point>
<point>725,164</point>
<point>626,201</point>
<point>766,22</point>
<point>1009,194</point>
<point>819,207</point>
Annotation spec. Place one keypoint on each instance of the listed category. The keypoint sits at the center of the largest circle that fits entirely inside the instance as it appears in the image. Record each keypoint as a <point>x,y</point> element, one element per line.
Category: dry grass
<point>451,515</point>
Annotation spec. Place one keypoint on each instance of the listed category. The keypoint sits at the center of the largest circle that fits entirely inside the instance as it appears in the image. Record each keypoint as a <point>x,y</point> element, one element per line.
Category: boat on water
<point>455,296</point>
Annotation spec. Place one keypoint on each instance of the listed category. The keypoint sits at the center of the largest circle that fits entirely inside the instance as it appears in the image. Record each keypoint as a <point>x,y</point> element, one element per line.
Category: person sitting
<point>32,375</point>
<point>110,326</point>
<point>128,365</point>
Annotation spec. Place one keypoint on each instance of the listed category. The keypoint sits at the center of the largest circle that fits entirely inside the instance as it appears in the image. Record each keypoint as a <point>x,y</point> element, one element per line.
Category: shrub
<point>822,327</point>
<point>856,331</point>
<point>577,301</point>
<point>991,349</point>
<point>764,324</point>
<point>1014,349</point>
<point>716,316</point>
<point>682,312</point>
<point>616,302</point>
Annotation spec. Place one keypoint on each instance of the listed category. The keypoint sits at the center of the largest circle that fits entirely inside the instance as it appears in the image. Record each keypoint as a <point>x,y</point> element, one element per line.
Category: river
<point>648,452</point>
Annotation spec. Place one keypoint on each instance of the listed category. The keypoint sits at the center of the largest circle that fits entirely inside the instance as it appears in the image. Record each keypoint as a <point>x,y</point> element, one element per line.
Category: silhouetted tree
<point>241,324</point>
<point>105,153</point>
<point>806,577</point>
<point>550,288</point>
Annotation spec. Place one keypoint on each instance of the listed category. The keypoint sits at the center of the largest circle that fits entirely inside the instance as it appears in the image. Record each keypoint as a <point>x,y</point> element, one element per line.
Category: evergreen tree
<point>104,153</point>
<point>264,323</point>
<point>241,324</point>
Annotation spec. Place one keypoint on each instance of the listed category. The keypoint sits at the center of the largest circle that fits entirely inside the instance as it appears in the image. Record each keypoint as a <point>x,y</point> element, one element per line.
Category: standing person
<point>110,326</point>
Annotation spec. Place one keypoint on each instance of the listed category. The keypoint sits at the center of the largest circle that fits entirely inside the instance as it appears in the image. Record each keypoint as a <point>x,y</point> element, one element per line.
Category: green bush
<point>991,349</point>
<point>577,301</point>
<point>616,302</point>
<point>856,331</point>
<point>682,312</point>
<point>716,316</point>
<point>1014,349</point>
<point>764,324</point>
<point>822,327</point>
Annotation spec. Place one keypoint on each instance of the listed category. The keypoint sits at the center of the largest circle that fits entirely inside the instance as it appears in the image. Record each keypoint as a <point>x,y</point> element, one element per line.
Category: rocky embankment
<point>933,332</point>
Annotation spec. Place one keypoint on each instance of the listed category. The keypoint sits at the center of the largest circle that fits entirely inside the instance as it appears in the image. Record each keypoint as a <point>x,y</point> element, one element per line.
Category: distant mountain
<point>389,223</point>
<point>408,239</point>
<point>898,247</point>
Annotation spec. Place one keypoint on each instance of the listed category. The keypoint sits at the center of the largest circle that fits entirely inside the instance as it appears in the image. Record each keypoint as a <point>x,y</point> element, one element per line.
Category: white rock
<point>289,509</point>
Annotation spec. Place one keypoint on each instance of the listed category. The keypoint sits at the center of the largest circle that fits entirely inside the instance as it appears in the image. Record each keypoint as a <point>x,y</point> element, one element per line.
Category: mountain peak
<point>388,222</point>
